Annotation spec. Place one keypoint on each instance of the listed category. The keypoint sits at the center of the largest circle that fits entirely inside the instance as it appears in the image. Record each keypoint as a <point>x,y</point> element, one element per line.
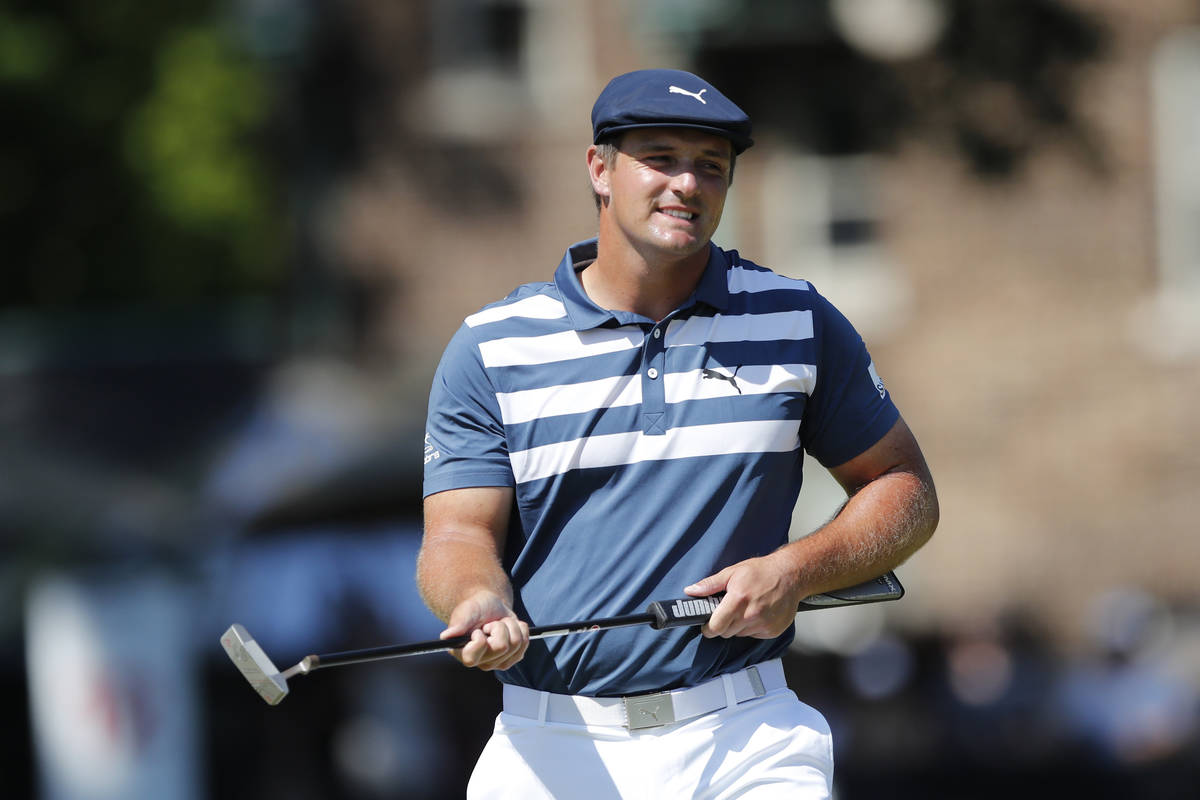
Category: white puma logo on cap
<point>677,90</point>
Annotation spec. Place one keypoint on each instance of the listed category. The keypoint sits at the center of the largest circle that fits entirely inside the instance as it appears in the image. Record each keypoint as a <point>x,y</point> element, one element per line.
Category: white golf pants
<point>769,747</point>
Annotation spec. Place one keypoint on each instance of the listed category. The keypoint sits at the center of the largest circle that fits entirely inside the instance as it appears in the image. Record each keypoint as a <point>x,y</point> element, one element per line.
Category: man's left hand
<point>761,597</point>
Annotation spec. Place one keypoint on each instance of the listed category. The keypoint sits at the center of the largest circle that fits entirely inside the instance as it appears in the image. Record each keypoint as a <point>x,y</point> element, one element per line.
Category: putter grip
<point>683,612</point>
<point>687,611</point>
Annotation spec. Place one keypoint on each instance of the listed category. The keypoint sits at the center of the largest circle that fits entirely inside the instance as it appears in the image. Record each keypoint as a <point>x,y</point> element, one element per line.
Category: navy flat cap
<point>667,98</point>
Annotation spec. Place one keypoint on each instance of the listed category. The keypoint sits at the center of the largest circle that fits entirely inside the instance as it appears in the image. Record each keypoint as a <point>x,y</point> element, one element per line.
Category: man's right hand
<point>498,639</point>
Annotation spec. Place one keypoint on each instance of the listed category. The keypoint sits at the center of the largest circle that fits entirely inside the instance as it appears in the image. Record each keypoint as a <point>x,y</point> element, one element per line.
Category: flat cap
<point>668,98</point>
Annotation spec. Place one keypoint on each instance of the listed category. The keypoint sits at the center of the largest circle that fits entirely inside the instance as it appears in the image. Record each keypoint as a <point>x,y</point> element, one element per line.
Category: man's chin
<point>680,244</point>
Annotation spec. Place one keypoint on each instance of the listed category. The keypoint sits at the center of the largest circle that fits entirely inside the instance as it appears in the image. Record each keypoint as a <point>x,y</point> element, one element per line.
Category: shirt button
<point>657,334</point>
<point>652,373</point>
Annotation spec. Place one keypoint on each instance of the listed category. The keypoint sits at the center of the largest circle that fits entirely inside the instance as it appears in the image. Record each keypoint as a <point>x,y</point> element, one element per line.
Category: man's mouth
<point>679,213</point>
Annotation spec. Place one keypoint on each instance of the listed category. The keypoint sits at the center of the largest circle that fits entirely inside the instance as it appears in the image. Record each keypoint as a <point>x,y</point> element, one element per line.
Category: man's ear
<point>598,172</point>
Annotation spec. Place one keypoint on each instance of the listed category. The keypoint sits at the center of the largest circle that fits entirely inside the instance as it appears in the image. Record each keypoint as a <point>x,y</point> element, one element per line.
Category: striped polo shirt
<point>646,455</point>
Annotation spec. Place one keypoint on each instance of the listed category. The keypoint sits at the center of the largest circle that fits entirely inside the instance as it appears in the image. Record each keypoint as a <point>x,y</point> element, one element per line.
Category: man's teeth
<point>680,214</point>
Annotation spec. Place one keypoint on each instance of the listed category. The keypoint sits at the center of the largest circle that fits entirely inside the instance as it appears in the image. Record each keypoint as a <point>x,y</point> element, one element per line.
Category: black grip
<point>687,611</point>
<point>683,612</point>
<point>885,587</point>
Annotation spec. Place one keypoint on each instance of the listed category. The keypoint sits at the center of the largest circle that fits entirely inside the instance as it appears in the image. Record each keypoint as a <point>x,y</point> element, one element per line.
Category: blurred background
<point>238,233</point>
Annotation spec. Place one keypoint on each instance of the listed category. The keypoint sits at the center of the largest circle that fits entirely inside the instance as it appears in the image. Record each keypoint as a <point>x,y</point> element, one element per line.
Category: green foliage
<point>136,163</point>
<point>192,141</point>
<point>30,49</point>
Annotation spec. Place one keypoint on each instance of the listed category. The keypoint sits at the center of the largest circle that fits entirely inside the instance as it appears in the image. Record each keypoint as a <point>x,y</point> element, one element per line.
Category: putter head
<point>253,663</point>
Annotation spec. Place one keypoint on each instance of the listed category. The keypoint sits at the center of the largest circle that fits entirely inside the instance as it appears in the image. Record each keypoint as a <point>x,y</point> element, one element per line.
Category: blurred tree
<point>135,160</point>
<point>187,142</point>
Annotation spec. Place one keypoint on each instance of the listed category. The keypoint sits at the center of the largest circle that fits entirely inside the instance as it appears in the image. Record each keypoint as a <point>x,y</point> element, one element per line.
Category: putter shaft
<point>312,663</point>
<point>272,686</point>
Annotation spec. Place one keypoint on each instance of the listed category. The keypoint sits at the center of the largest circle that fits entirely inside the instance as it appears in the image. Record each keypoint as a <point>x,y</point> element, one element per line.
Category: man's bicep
<point>896,451</point>
<point>476,515</point>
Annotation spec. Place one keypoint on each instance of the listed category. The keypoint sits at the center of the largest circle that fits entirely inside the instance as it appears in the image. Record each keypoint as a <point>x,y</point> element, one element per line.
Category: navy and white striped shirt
<point>646,455</point>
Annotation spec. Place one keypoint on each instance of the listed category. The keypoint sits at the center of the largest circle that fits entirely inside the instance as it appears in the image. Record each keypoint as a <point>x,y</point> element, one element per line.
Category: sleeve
<point>465,443</point>
<point>850,409</point>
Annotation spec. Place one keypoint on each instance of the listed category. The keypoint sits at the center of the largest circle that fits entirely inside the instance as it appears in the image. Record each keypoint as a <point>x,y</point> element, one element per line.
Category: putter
<point>272,686</point>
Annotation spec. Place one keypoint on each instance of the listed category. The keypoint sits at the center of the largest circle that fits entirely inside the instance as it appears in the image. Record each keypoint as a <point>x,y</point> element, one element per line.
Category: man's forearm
<point>451,568</point>
<point>464,536</point>
<point>879,527</point>
<point>462,581</point>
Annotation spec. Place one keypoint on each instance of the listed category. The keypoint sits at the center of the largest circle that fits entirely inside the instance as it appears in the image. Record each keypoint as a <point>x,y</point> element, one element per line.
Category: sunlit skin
<point>662,199</point>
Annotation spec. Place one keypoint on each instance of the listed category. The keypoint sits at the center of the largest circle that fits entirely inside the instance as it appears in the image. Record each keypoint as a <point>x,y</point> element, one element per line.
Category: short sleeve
<point>850,409</point>
<point>465,443</point>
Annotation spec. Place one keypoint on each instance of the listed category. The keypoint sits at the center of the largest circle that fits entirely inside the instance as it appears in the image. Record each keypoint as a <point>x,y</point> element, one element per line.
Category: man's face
<point>666,189</point>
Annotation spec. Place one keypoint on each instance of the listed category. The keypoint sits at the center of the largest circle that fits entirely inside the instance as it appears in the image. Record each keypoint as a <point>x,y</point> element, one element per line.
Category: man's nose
<point>684,183</point>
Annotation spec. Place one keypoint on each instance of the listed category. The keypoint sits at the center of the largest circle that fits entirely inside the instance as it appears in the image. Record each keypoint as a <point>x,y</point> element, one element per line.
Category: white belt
<point>647,710</point>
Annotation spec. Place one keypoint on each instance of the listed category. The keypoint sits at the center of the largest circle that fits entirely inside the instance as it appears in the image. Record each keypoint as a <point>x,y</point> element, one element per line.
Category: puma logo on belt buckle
<point>649,711</point>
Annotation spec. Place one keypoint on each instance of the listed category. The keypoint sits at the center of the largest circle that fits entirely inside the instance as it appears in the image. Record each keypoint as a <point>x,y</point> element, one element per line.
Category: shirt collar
<point>712,290</point>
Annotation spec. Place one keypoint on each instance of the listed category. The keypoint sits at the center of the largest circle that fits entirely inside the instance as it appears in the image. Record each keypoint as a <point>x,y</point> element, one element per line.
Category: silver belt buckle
<point>756,681</point>
<point>649,711</point>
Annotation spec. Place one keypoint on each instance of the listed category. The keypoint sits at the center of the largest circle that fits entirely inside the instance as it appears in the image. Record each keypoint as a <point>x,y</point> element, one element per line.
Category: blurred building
<point>1027,282</point>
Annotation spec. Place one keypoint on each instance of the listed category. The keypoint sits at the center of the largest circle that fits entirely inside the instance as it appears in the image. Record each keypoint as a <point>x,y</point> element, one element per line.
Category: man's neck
<point>622,279</point>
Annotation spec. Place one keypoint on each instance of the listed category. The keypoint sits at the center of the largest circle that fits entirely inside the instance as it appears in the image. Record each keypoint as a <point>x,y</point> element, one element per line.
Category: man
<point>635,429</point>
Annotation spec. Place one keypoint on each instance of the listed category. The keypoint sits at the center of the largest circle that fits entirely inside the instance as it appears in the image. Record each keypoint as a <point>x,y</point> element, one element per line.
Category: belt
<point>636,712</point>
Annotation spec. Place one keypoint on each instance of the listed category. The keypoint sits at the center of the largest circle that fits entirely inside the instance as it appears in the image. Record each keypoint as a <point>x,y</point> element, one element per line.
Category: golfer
<point>634,430</point>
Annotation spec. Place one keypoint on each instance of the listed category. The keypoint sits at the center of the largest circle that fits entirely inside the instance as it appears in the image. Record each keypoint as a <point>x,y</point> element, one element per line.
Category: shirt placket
<point>653,372</point>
